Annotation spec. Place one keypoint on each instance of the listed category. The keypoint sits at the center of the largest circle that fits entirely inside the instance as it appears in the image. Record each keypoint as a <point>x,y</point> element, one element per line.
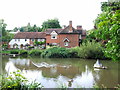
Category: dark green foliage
<point>56,52</point>
<point>35,53</point>
<point>90,50</point>
<point>50,23</point>
<point>110,6</point>
<point>5,46</point>
<point>14,52</point>
<point>39,43</point>
<point>30,47</point>
<point>23,52</point>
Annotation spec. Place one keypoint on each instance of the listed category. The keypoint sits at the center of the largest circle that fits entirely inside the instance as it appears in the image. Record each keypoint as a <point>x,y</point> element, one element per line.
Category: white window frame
<point>53,35</point>
<point>66,43</point>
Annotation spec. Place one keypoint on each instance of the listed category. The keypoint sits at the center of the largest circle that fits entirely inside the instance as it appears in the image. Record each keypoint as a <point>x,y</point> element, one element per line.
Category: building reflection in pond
<point>52,77</point>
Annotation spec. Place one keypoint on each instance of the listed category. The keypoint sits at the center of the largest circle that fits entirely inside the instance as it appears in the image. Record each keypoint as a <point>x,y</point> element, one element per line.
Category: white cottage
<point>22,39</point>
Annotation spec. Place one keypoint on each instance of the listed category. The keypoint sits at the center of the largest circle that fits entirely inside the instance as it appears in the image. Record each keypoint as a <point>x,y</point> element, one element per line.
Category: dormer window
<point>66,42</point>
<point>53,35</point>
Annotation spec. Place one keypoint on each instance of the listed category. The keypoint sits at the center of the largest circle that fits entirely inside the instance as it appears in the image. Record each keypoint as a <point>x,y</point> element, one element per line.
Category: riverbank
<point>90,50</point>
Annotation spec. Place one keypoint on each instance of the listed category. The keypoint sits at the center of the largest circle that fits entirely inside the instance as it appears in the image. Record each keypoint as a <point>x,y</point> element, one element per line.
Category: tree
<point>3,27</point>
<point>51,23</point>
<point>108,28</point>
<point>30,28</point>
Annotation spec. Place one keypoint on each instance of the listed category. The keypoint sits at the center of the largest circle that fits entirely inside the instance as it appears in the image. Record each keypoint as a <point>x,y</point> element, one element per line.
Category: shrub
<point>17,81</point>
<point>90,50</point>
<point>56,52</point>
<point>73,53</point>
<point>30,47</point>
<point>35,53</point>
<point>14,52</point>
<point>23,52</point>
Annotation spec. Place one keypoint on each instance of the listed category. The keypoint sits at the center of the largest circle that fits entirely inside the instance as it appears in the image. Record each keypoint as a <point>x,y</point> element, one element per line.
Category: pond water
<point>72,72</point>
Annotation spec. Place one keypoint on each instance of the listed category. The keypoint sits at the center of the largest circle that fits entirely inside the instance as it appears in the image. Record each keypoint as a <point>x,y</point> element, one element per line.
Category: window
<point>53,36</point>
<point>32,39</point>
<point>18,39</point>
<point>25,39</point>
<point>66,43</point>
<point>15,39</point>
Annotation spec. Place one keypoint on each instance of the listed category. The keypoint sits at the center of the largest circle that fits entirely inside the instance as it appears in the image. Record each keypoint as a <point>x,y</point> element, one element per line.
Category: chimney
<point>79,27</point>
<point>70,26</point>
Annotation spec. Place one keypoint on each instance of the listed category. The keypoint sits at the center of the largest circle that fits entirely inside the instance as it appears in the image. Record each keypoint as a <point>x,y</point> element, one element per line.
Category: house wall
<point>49,40</point>
<point>19,42</point>
<point>73,38</point>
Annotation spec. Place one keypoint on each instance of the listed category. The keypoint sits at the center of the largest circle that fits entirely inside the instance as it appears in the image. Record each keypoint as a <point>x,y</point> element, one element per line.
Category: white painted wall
<point>21,41</point>
<point>18,42</point>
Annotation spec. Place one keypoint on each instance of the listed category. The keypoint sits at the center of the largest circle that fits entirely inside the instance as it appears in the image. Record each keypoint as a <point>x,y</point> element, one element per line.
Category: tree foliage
<point>108,28</point>
<point>51,23</point>
<point>29,28</point>
<point>6,36</point>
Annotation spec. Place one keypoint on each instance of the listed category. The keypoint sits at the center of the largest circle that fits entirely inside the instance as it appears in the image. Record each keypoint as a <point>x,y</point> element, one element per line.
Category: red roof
<point>28,35</point>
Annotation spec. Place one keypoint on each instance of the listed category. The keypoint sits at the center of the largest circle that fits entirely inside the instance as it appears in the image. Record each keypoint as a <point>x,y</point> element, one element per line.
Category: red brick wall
<point>74,40</point>
<point>49,40</point>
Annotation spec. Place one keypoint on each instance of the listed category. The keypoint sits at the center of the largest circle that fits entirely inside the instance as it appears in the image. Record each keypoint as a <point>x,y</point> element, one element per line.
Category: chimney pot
<point>79,27</point>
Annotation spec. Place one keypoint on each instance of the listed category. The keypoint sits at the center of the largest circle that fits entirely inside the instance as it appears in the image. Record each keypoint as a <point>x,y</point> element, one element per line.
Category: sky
<point>17,13</point>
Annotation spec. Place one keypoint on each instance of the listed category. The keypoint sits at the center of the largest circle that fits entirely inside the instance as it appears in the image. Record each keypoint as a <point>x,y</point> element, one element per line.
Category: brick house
<point>67,37</point>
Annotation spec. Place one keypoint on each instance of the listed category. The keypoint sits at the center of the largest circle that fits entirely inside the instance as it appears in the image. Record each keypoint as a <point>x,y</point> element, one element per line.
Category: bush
<point>35,53</point>
<point>14,52</point>
<point>90,50</point>
<point>30,47</point>
<point>56,52</point>
<point>17,81</point>
<point>23,52</point>
<point>73,53</point>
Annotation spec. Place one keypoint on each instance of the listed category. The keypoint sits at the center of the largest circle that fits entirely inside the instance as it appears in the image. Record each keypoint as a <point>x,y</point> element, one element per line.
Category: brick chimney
<point>70,26</point>
<point>79,27</point>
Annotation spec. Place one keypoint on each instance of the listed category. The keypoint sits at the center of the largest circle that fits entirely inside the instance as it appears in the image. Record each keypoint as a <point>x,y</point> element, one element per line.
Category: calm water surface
<point>55,73</point>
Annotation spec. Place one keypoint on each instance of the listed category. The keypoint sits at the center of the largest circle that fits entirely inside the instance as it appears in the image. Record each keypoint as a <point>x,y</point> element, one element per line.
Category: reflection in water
<point>56,74</point>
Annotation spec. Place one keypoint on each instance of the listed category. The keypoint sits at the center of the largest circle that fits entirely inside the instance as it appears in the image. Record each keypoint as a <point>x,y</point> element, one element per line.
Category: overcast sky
<point>17,13</point>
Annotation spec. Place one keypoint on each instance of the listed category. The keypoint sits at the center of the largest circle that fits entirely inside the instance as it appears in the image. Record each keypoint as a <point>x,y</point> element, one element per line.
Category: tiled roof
<point>80,31</point>
<point>28,35</point>
<point>66,31</point>
<point>56,30</point>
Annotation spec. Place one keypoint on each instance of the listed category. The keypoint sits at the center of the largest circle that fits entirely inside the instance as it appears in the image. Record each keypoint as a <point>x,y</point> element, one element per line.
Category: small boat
<point>99,65</point>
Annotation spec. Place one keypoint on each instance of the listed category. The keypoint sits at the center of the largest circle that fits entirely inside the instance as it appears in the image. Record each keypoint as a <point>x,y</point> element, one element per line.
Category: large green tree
<point>108,28</point>
<point>51,23</point>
